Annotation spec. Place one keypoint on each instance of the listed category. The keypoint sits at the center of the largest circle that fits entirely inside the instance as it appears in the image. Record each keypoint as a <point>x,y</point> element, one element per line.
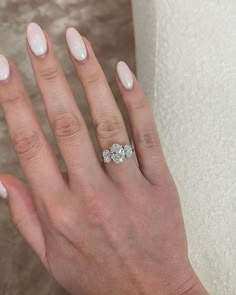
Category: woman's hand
<point>101,228</point>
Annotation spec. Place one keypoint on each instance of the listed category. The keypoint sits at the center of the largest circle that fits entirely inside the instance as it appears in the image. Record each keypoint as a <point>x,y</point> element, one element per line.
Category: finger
<point>65,177</point>
<point>33,150</point>
<point>143,127</point>
<point>24,214</point>
<point>65,118</point>
<point>107,119</point>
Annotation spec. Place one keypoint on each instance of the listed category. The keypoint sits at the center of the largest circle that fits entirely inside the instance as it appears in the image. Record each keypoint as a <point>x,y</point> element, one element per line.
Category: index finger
<point>33,150</point>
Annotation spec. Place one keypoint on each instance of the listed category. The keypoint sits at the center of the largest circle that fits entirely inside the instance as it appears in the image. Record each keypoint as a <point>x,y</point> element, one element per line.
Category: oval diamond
<point>117,153</point>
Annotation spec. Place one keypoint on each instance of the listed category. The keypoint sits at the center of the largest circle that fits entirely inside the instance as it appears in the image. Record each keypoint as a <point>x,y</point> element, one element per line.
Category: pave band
<point>118,153</point>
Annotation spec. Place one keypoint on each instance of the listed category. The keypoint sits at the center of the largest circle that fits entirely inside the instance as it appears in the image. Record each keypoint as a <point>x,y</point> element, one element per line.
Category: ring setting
<point>118,153</point>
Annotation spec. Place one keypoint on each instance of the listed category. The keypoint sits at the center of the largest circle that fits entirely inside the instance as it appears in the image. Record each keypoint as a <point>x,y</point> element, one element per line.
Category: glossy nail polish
<point>36,39</point>
<point>76,44</point>
<point>4,68</point>
<point>125,75</point>
<point>3,191</point>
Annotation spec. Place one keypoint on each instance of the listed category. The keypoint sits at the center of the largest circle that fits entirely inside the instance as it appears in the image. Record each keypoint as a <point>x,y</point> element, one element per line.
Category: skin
<point>98,228</point>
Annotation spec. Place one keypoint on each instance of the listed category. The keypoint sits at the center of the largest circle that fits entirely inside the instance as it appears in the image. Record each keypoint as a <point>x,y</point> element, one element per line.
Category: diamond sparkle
<point>128,151</point>
<point>117,153</point>
<point>106,156</point>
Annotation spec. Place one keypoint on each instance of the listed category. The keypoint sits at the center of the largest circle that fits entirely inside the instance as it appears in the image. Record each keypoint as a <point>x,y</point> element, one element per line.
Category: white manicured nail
<point>3,191</point>
<point>36,39</point>
<point>76,44</point>
<point>125,75</point>
<point>4,68</point>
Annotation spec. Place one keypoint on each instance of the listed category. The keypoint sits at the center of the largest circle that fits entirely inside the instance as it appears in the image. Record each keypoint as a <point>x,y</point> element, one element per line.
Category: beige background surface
<point>108,25</point>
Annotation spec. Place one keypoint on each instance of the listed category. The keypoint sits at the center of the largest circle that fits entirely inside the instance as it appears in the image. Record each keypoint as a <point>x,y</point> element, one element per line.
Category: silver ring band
<point>118,153</point>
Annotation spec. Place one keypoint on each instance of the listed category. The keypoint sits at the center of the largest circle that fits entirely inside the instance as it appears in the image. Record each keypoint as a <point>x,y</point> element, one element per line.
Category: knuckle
<point>27,144</point>
<point>96,212</point>
<point>58,217</point>
<point>49,74</point>
<point>13,100</point>
<point>109,127</point>
<point>62,222</point>
<point>137,105</point>
<point>18,223</point>
<point>147,138</point>
<point>66,126</point>
<point>93,78</point>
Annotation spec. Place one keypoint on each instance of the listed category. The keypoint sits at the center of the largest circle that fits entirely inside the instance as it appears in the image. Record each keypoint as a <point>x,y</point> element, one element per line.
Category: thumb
<point>23,213</point>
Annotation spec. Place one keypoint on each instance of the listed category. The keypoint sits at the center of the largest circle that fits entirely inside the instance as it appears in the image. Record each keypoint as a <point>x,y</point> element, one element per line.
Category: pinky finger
<point>144,131</point>
<point>24,214</point>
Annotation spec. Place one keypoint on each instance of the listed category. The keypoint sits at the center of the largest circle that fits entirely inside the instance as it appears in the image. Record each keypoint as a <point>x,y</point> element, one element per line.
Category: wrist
<point>195,287</point>
<point>196,290</point>
<point>186,282</point>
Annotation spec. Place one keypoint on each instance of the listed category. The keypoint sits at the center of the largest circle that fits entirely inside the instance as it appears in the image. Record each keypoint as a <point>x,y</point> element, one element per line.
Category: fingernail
<point>3,191</point>
<point>36,39</point>
<point>76,44</point>
<point>125,75</point>
<point>4,68</point>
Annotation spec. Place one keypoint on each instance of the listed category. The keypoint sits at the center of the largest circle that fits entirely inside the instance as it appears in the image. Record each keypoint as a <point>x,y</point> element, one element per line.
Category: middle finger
<point>65,118</point>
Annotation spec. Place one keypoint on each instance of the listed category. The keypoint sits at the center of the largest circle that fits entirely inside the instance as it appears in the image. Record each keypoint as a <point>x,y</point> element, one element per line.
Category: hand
<point>100,228</point>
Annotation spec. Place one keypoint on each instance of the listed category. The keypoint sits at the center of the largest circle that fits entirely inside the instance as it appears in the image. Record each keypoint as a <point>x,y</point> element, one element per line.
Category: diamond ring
<point>118,153</point>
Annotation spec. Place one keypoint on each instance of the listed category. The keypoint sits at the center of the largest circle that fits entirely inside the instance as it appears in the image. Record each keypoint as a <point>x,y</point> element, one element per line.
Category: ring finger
<point>107,119</point>
<point>65,118</point>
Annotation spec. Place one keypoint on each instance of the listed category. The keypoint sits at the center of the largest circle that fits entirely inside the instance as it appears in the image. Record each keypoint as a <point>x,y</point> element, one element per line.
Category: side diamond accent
<point>106,156</point>
<point>128,151</point>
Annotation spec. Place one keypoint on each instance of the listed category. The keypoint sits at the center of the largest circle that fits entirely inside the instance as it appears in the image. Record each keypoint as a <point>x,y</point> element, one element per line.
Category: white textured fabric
<point>186,56</point>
